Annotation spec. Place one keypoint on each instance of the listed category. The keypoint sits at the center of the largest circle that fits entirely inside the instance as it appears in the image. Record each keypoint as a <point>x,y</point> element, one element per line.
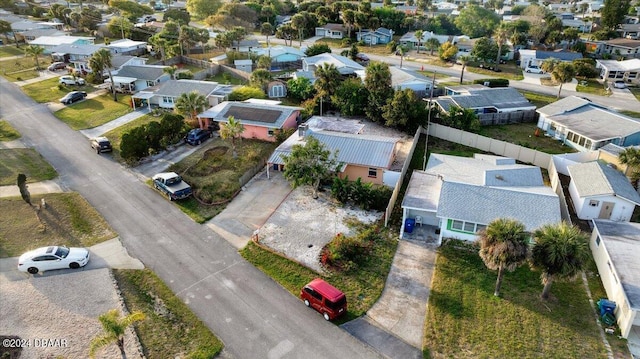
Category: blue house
<point>373,37</point>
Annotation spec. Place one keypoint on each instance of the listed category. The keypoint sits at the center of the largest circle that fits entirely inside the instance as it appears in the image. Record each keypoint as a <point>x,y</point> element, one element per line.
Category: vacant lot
<point>49,91</point>
<point>94,112</point>
<point>465,320</point>
<point>23,160</point>
<point>22,68</point>
<point>68,219</point>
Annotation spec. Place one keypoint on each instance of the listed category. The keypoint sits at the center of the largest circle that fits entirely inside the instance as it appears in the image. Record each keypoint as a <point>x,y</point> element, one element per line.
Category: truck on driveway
<point>172,185</point>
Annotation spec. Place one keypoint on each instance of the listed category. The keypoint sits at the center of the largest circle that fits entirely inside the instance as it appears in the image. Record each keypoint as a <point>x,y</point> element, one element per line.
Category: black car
<point>101,144</point>
<point>197,136</point>
<point>73,96</point>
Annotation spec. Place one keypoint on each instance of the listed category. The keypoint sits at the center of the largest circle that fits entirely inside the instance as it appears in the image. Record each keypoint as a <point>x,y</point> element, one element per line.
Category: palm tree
<point>560,251</point>
<point>267,30</point>
<point>401,50</point>
<point>299,22</point>
<point>171,70</point>
<point>102,59</point>
<point>500,36</point>
<point>260,78</point>
<point>432,43</point>
<point>114,328</point>
<point>631,157</point>
<point>348,17</point>
<point>419,34</point>
<point>327,80</point>
<point>190,104</point>
<point>35,51</point>
<point>463,60</point>
<point>562,73</point>
<point>232,130</point>
<point>503,245</point>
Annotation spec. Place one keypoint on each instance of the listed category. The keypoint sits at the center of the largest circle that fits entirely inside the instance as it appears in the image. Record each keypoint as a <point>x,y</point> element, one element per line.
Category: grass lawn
<point>7,132</point>
<point>7,51</point>
<point>94,112</point>
<point>214,174</point>
<point>630,113</point>
<point>538,99</point>
<point>228,80</point>
<point>635,91</point>
<point>465,320</point>
<point>70,220</point>
<point>170,328</point>
<point>48,90</point>
<point>523,134</point>
<point>23,68</point>
<point>24,160</point>
<point>115,135</point>
<point>362,285</point>
<point>509,71</point>
<point>593,87</point>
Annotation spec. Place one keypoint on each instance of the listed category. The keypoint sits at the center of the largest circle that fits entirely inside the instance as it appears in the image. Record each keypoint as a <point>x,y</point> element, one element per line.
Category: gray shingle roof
<point>175,88</point>
<point>86,50</point>
<point>597,179</point>
<point>145,72</point>
<point>622,242</point>
<point>342,63</point>
<point>400,76</point>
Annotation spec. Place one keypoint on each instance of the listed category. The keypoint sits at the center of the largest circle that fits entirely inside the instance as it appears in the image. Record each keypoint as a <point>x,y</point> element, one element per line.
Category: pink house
<point>261,120</point>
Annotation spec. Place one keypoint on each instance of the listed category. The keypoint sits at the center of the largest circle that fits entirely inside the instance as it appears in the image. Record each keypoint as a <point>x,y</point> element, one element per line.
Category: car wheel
<point>528,71</point>
<point>169,196</point>
<point>306,302</point>
<point>32,270</point>
<point>74,265</point>
<point>326,316</point>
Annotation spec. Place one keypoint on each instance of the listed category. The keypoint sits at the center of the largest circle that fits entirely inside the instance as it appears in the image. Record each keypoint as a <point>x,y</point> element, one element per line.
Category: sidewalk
<point>120,121</point>
<point>34,188</point>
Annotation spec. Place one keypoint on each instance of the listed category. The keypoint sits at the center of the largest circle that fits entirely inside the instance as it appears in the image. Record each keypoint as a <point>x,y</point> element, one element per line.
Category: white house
<point>127,47</point>
<point>615,247</point>
<point>50,42</point>
<point>165,94</point>
<point>536,57</point>
<point>332,31</point>
<point>406,79</point>
<point>599,191</point>
<point>345,65</point>
<point>626,70</point>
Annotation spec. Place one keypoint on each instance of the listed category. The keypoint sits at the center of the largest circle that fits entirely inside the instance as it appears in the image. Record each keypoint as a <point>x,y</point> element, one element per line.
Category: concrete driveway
<point>257,201</point>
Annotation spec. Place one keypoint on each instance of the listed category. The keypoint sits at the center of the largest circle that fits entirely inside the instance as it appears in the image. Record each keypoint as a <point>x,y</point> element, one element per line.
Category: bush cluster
<point>347,253</point>
<point>364,195</point>
<point>493,82</point>
<point>154,136</point>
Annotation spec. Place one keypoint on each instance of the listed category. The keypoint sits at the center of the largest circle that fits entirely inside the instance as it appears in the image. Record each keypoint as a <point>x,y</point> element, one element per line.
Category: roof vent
<point>302,130</point>
<point>499,177</point>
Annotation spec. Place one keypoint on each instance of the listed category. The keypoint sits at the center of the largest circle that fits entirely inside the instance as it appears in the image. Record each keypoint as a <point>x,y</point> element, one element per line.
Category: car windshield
<point>62,252</point>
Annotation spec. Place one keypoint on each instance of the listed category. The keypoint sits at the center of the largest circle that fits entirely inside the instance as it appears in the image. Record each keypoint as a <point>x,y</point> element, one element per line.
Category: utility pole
<point>426,141</point>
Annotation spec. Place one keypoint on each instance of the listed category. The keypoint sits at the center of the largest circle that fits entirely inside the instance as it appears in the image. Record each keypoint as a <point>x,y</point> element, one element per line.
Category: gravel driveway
<point>61,309</point>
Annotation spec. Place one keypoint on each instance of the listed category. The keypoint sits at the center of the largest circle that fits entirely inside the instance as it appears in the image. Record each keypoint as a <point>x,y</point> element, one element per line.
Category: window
<point>373,172</point>
<point>480,227</point>
<point>598,241</point>
<point>459,225</point>
<point>270,132</point>
<point>167,99</point>
<point>469,227</point>
<point>150,83</point>
<point>594,203</point>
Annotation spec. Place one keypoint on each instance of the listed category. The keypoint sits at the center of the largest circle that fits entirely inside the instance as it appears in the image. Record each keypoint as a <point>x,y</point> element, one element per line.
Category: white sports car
<point>54,257</point>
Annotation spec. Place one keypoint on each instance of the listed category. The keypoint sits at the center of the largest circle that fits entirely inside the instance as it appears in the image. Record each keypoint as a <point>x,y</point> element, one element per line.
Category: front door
<point>605,210</point>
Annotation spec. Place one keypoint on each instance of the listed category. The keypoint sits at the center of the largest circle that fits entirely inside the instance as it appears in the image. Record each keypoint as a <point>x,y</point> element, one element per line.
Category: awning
<point>143,95</point>
<point>122,80</point>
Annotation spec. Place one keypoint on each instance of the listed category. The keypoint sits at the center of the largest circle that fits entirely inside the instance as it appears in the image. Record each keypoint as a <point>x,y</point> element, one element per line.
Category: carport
<point>145,97</point>
<point>123,84</point>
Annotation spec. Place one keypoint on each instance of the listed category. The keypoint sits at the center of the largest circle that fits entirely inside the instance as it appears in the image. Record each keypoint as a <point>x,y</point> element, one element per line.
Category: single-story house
<point>260,120</point>
<point>578,24</point>
<point>165,94</point>
<point>410,38</point>
<point>276,89</point>
<point>245,46</point>
<point>626,48</point>
<point>281,54</point>
<point>140,77</point>
<point>530,58</point>
<point>484,99</point>
<point>629,31</point>
<point>50,42</point>
<point>585,126</point>
<point>127,47</point>
<point>406,79</point>
<point>626,70</point>
<point>345,65</point>
<point>359,156</point>
<point>615,247</point>
<point>331,30</point>
<point>310,75</point>
<point>380,35</point>
<point>23,25</point>
<point>77,55</point>
<point>119,61</point>
<point>30,35</point>
<point>461,195</point>
<point>598,191</point>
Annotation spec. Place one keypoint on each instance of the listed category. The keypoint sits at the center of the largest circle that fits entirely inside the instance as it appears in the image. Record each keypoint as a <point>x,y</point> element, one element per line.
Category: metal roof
<point>621,240</point>
<point>597,179</point>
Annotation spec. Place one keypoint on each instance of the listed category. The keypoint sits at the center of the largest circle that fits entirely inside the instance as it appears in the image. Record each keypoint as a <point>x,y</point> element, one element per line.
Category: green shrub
<point>245,93</point>
<point>184,75</point>
<point>364,195</point>
<point>348,252</point>
<point>493,82</point>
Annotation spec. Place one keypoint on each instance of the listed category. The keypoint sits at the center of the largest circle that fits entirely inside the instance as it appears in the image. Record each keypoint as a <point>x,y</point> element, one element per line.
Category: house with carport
<point>615,247</point>
<point>368,157</point>
<point>626,70</point>
<point>132,78</point>
<point>585,125</point>
<point>261,120</point>
<point>598,191</point>
<point>457,197</point>
<point>165,94</point>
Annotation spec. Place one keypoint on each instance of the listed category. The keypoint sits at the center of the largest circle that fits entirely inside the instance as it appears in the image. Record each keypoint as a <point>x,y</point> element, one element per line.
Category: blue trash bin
<point>606,306</point>
<point>409,223</point>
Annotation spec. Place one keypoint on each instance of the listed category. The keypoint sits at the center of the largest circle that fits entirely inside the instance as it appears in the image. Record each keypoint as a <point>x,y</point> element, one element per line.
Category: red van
<point>324,298</point>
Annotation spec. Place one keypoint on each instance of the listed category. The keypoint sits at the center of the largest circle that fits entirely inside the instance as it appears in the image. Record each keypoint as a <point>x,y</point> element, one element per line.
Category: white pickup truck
<point>172,185</point>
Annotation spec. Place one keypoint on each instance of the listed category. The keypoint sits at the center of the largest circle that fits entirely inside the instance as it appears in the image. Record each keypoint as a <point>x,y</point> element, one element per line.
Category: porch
<point>423,233</point>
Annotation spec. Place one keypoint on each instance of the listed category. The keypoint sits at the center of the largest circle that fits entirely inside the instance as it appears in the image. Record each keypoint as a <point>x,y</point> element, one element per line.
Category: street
<point>248,311</point>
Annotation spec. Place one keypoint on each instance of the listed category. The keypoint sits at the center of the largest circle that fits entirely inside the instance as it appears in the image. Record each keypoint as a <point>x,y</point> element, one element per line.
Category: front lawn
<point>523,134</point>
<point>214,174</point>
<point>7,132</point>
<point>68,219</point>
<point>635,91</point>
<point>465,320</point>
<point>49,91</point>
<point>24,160</point>
<point>362,285</point>
<point>593,87</point>
<point>115,135</point>
<point>170,328</point>
<point>95,111</point>
<point>7,51</point>
<point>23,68</point>
<point>509,71</point>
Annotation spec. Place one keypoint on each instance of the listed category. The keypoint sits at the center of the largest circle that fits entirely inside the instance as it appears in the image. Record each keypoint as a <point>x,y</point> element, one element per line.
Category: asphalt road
<point>248,311</point>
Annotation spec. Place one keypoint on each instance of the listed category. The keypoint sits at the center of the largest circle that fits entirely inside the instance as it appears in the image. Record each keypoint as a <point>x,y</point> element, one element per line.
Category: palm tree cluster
<point>559,251</point>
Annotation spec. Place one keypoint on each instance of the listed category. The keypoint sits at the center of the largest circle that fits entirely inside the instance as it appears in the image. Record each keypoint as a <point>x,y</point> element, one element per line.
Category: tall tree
<point>201,9</point>
<point>631,157</point>
<point>484,49</point>
<point>464,119</point>
<point>419,34</point>
<point>101,59</point>
<point>560,252</point>
<point>232,130</point>
<point>350,97</point>
<point>232,15</point>
<point>35,51</point>
<point>475,21</point>
<point>378,83</point>
<point>432,44</point>
<point>402,51</point>
<point>114,328</point>
<point>503,246</point>
<point>464,61</point>
<point>309,164</point>
<point>260,78</point>
<point>613,12</point>
<point>501,35</point>
<point>286,32</point>
<point>171,70</point>
<point>5,29</point>
<point>349,18</point>
<point>190,104</point>
<point>266,29</point>
<point>561,72</point>
<point>120,25</point>
<point>327,80</point>
<point>299,22</point>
